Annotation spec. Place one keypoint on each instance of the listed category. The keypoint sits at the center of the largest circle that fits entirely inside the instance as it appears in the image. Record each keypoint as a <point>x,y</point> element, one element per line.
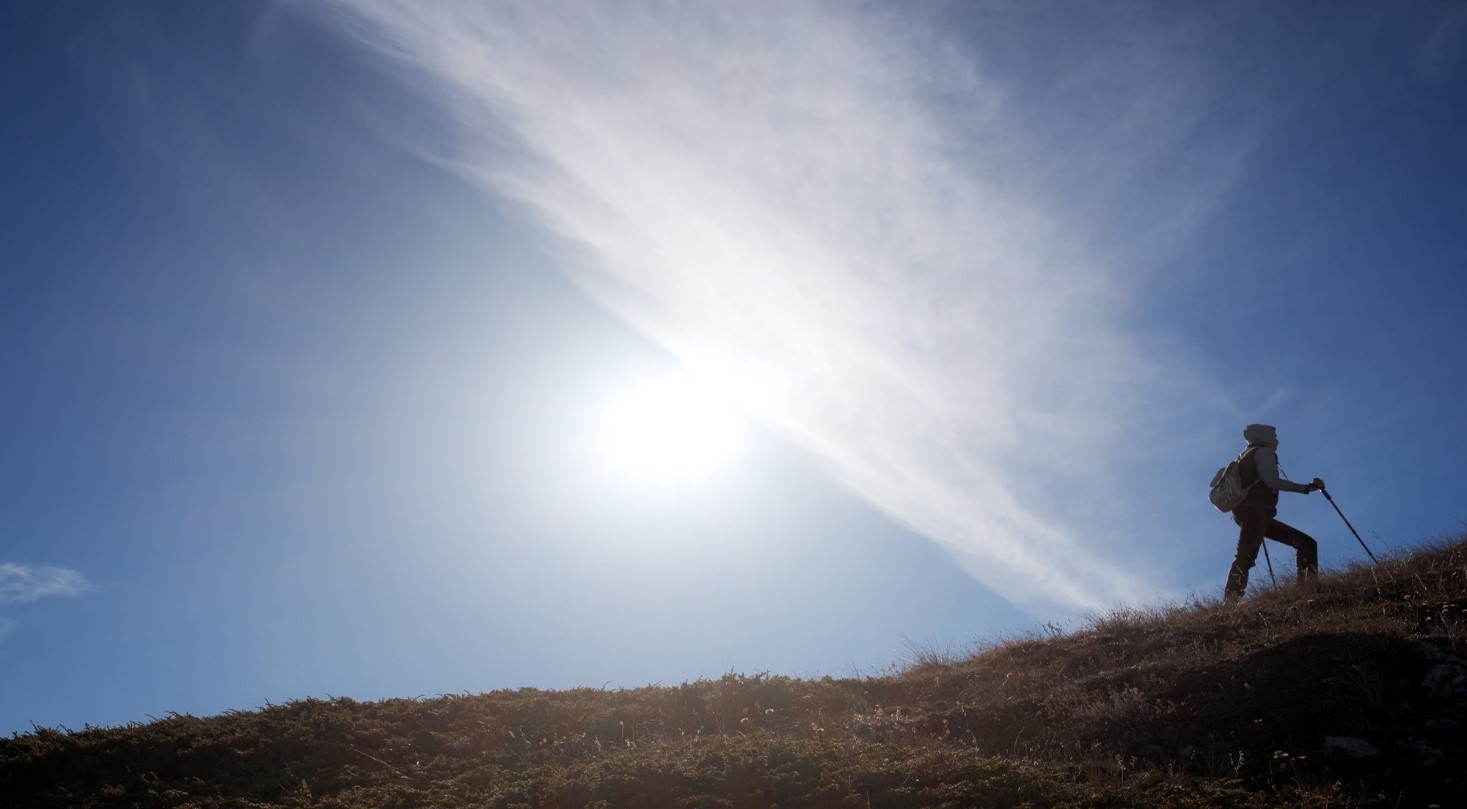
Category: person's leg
<point>1306,550</point>
<point>1251,524</point>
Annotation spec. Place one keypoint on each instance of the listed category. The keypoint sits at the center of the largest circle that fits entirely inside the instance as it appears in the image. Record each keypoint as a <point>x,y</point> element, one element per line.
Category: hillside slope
<point>1352,693</point>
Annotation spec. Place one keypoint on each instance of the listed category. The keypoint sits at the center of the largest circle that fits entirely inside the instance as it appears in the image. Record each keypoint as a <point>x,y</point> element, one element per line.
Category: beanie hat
<point>1260,434</point>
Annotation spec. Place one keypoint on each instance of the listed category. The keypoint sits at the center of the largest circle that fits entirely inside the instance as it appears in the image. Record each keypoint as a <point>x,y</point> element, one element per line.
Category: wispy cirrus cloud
<point>20,584</point>
<point>842,217</point>
<point>1446,46</point>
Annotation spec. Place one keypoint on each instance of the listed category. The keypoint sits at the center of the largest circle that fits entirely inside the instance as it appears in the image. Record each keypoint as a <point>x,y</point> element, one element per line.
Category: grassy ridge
<point>1352,693</point>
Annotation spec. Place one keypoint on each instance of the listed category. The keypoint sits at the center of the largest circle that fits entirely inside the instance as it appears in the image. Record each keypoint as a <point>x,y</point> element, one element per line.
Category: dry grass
<point>1202,704</point>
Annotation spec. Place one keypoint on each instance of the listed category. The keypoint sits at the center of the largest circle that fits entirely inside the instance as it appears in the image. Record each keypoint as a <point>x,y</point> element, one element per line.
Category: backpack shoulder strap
<point>1247,451</point>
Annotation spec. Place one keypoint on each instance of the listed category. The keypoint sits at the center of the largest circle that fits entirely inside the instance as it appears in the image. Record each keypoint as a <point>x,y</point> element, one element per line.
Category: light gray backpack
<point>1227,491</point>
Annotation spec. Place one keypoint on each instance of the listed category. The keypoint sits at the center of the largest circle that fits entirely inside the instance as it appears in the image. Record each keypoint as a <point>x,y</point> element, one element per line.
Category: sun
<point>670,429</point>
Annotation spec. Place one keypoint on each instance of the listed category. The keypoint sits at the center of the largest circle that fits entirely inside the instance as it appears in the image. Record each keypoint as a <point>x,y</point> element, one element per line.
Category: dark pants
<point>1254,524</point>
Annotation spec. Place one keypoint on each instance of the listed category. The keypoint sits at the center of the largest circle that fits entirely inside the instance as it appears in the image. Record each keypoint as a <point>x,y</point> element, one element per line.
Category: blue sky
<point>318,323</point>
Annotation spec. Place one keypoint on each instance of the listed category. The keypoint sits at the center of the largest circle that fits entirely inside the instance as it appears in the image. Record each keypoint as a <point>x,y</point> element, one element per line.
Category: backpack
<point>1227,491</point>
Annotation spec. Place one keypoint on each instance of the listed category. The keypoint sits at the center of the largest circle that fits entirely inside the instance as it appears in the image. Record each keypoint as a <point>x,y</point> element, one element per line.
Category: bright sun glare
<point>675,428</point>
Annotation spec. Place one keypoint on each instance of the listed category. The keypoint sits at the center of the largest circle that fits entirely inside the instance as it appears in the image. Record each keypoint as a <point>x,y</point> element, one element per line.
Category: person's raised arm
<point>1268,472</point>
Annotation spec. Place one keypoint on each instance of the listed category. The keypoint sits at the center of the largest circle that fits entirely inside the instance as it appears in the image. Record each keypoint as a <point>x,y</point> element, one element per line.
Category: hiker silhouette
<point>1259,470</point>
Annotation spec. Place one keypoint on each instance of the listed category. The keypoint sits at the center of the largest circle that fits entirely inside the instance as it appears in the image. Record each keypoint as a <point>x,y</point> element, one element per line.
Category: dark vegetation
<point>1349,694</point>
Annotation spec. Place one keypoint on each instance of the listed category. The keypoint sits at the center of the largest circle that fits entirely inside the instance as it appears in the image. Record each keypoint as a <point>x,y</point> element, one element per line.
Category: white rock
<point>1430,756</point>
<point>1359,748</point>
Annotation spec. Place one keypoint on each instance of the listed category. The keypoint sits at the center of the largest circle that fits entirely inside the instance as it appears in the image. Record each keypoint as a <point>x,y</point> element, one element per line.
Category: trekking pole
<point>1348,525</point>
<point>1269,562</point>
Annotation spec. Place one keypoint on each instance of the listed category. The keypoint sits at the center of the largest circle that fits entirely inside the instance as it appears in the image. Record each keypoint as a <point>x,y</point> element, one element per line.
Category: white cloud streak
<point>20,584</point>
<point>835,217</point>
